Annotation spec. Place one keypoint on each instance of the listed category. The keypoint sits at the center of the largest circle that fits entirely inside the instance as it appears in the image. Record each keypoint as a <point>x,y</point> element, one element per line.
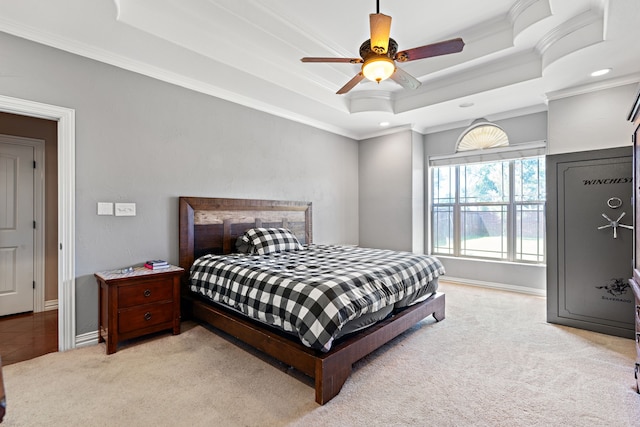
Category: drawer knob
<point>147,293</point>
<point>147,316</point>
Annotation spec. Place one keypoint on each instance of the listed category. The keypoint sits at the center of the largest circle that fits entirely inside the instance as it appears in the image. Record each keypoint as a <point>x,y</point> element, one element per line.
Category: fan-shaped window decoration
<point>482,135</point>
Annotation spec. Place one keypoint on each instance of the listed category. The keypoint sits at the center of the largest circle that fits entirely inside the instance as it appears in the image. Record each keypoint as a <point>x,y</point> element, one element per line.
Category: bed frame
<point>211,225</point>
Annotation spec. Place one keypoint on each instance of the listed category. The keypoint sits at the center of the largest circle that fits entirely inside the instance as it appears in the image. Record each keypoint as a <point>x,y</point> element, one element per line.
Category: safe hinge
<point>34,284</point>
<point>34,225</point>
<point>34,164</point>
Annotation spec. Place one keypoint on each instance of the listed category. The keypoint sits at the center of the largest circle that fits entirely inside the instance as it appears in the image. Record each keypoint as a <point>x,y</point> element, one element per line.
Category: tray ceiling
<point>517,55</point>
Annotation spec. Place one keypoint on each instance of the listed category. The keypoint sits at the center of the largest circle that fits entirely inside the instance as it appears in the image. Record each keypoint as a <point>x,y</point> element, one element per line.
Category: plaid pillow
<point>268,240</point>
<point>243,246</point>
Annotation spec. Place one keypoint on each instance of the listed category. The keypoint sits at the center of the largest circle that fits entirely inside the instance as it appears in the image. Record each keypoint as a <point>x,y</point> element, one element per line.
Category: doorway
<point>64,157</point>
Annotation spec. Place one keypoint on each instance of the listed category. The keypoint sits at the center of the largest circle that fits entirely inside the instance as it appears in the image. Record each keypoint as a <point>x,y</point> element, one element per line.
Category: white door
<point>16,228</point>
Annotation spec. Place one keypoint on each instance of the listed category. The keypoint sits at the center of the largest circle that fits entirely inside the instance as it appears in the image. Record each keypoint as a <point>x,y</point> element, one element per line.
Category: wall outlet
<point>105,208</point>
<point>125,209</point>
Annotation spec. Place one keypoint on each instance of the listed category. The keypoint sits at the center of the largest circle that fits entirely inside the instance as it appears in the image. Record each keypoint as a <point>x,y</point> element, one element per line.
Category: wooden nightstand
<point>138,303</point>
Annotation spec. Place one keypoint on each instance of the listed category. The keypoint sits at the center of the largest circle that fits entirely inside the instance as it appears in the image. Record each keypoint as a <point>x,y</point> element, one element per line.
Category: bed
<point>213,225</point>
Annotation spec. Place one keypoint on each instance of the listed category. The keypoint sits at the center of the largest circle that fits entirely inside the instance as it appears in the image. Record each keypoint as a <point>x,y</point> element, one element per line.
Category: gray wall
<point>418,194</point>
<point>148,142</point>
<point>391,191</point>
<point>591,121</point>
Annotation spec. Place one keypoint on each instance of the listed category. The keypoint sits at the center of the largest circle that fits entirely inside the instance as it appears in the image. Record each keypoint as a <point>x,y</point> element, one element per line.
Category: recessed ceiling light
<point>383,124</point>
<point>466,105</point>
<point>600,72</point>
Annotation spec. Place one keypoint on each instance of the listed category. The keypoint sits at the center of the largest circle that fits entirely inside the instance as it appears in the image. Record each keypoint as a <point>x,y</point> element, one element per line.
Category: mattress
<point>316,292</point>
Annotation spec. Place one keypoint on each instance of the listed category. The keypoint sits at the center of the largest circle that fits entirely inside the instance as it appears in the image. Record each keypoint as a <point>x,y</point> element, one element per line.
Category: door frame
<point>38,209</point>
<point>66,207</point>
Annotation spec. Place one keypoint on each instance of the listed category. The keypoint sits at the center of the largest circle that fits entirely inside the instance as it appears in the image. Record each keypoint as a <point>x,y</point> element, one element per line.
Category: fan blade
<point>442,48</point>
<point>351,83</point>
<point>380,28</point>
<point>405,79</point>
<point>350,60</point>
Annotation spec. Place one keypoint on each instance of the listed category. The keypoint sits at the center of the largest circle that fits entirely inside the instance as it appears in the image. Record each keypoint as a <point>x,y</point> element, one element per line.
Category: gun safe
<point>590,240</point>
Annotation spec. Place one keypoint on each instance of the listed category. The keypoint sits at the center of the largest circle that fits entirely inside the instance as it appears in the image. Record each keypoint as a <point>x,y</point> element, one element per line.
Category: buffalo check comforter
<point>315,291</point>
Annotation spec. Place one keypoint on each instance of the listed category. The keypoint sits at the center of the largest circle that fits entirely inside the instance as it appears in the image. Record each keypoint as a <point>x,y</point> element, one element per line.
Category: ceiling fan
<point>379,53</point>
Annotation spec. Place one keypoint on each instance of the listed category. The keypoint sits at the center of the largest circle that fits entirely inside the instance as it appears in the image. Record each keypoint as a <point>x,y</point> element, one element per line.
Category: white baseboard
<point>493,285</point>
<point>51,305</point>
<point>85,340</point>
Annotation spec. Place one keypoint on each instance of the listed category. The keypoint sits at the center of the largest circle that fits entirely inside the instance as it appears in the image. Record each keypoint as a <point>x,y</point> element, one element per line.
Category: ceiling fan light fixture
<point>379,53</point>
<point>378,68</point>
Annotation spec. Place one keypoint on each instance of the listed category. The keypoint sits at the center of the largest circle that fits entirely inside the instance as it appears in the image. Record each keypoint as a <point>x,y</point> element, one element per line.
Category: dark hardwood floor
<point>29,335</point>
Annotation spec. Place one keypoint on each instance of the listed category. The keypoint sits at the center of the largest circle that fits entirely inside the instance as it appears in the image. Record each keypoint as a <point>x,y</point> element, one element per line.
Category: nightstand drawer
<point>144,316</point>
<point>145,292</point>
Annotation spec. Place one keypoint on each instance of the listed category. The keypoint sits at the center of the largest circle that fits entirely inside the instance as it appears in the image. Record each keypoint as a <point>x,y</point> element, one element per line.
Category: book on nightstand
<point>156,264</point>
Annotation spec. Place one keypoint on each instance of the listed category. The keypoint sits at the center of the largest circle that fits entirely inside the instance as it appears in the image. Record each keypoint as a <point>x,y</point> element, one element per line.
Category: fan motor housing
<point>366,52</point>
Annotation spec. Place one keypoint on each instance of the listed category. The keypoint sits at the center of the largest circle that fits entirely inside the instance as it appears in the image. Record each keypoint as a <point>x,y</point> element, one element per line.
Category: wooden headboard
<point>212,225</point>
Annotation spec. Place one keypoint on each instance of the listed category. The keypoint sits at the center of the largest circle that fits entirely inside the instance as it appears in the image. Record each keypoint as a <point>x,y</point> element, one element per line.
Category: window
<point>490,210</point>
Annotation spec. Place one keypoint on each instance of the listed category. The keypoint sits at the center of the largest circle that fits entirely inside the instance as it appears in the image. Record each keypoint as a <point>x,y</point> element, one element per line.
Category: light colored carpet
<point>494,361</point>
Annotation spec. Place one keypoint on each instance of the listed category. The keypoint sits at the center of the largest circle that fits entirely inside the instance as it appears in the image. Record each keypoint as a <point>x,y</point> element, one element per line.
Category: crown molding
<point>463,124</point>
<point>526,13</point>
<point>593,87</point>
<point>387,131</point>
<point>574,24</point>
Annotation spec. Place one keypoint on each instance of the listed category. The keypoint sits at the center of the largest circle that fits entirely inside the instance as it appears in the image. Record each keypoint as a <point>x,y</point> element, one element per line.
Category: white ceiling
<point>518,54</point>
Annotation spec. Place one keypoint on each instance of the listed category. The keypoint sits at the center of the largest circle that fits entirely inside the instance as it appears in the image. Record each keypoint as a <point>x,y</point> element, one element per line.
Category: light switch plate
<point>105,208</point>
<point>125,209</point>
